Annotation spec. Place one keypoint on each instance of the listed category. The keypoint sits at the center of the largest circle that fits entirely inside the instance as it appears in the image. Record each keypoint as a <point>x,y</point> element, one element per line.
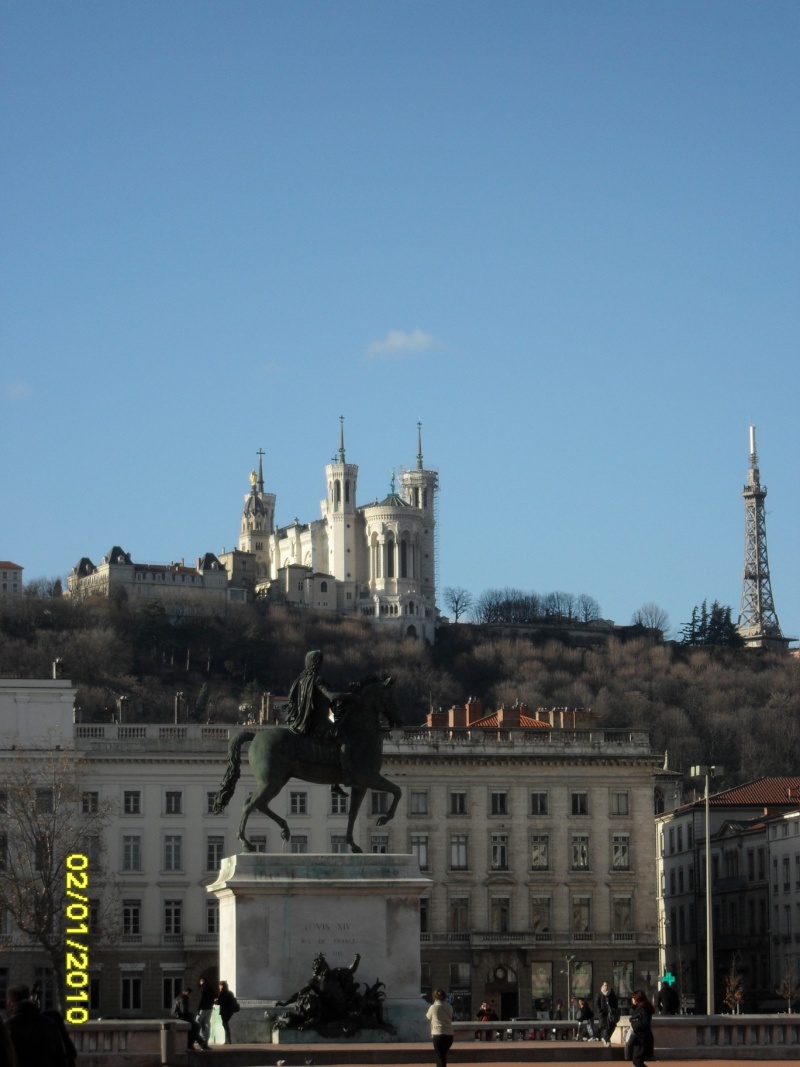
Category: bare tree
<point>458,600</point>
<point>587,607</point>
<point>734,988</point>
<point>789,989</point>
<point>652,617</point>
<point>489,607</point>
<point>43,587</point>
<point>51,853</point>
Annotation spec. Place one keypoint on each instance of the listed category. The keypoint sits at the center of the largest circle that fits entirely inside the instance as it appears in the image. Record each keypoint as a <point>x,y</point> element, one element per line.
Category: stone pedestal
<point>278,911</point>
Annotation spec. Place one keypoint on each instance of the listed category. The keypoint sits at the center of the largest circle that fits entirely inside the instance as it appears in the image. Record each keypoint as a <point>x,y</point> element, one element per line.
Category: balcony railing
<point>481,938</point>
<point>210,736</point>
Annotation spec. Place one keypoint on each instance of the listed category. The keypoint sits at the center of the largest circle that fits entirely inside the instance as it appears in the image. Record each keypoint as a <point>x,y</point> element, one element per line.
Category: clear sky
<point>563,235</point>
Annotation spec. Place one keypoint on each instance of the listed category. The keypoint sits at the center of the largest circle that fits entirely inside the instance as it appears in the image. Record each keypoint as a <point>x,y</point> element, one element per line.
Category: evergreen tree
<point>714,626</point>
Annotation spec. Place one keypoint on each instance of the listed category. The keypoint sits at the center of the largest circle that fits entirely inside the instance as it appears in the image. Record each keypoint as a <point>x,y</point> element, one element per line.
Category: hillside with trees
<point>701,704</point>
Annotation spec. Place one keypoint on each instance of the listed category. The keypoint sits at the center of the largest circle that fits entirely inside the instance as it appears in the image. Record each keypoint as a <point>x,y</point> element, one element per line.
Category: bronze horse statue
<point>278,754</point>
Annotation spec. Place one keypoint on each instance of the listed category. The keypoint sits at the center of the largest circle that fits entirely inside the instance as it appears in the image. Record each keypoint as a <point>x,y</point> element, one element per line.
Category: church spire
<point>260,482</point>
<point>341,439</point>
<point>419,446</point>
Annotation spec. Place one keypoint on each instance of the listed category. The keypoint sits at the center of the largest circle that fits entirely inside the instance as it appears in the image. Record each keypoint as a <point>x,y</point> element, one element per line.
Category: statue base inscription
<point>277,912</point>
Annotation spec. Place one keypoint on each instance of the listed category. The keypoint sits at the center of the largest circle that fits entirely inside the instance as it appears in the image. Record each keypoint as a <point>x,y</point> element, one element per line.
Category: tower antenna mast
<point>758,621</point>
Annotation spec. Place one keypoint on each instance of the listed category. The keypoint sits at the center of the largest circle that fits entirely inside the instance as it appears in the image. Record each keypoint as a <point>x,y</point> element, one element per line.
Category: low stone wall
<point>729,1032</point>
<point>130,1042</point>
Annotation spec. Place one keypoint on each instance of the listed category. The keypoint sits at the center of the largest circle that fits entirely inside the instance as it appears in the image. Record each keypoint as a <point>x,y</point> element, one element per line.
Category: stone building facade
<point>180,588</point>
<point>755,887</point>
<point>10,580</point>
<point>537,834</point>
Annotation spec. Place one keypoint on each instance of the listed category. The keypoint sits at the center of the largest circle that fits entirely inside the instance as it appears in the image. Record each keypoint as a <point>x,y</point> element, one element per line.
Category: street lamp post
<point>708,772</point>
<point>569,960</point>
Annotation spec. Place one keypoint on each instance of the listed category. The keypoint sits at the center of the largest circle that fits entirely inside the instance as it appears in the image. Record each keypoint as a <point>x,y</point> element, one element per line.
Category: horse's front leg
<point>356,796</point>
<point>389,787</point>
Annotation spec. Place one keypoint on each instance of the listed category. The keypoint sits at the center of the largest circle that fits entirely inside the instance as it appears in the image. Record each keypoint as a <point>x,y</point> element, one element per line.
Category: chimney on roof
<point>474,710</point>
<point>508,718</point>
<point>457,717</point>
<point>437,720</point>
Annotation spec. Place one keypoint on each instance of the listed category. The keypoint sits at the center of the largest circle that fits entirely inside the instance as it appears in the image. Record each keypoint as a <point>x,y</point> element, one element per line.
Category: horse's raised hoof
<point>285,834</point>
<point>382,821</point>
<point>354,847</point>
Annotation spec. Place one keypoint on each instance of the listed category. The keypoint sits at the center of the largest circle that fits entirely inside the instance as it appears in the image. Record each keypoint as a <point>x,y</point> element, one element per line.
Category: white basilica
<point>376,560</point>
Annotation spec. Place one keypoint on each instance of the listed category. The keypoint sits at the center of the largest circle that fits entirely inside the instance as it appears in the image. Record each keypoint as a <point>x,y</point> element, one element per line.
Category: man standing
<point>181,1010</point>
<point>36,1039</point>
<point>204,1008</point>
<point>606,1012</point>
<point>667,1000</point>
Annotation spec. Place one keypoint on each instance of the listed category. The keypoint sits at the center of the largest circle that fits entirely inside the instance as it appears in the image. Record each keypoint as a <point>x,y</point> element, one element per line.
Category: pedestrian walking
<point>640,1037</point>
<point>228,1006</point>
<point>8,1057</point>
<point>36,1039</point>
<point>440,1014</point>
<point>585,1020</point>
<point>606,1012</point>
<point>205,1008</point>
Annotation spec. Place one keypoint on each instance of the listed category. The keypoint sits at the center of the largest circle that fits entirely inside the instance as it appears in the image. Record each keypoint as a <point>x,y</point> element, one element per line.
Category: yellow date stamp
<point>77,925</point>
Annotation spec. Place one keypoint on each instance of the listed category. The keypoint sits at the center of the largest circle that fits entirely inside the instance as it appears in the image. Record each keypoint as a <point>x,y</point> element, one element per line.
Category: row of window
<point>130,918</point>
<point>540,919</point>
<point>132,803</point>
<point>130,990</point>
<point>540,855</point>
<point>676,839</point>
<point>499,803</point>
<point>540,852</point>
<point>728,866</point>
<point>173,851</point>
<point>785,880</point>
<point>172,918</point>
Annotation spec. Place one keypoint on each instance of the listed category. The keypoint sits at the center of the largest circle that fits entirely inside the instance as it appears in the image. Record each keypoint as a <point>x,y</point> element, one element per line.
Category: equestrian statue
<point>346,752</point>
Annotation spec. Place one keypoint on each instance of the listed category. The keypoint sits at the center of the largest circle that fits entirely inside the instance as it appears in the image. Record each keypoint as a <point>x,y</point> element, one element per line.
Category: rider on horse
<point>308,707</point>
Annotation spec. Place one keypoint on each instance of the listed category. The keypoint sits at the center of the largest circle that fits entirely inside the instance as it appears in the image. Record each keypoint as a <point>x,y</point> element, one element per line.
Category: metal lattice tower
<point>758,621</point>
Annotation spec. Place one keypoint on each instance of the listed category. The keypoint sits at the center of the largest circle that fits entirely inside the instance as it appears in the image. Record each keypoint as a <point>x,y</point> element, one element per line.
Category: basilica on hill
<point>376,560</point>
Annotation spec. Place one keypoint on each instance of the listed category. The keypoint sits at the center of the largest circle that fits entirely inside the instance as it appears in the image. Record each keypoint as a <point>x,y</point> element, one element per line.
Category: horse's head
<point>377,695</point>
<point>387,700</point>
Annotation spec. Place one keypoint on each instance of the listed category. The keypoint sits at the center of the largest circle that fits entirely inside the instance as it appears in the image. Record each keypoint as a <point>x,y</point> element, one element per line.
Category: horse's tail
<point>228,786</point>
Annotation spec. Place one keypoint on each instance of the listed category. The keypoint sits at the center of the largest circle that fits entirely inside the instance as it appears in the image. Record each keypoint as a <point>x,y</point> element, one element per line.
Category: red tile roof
<point>763,792</point>
<point>525,722</point>
<point>6,563</point>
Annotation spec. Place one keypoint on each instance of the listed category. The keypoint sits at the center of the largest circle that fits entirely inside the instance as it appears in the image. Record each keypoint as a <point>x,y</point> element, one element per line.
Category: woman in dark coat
<point>641,1044</point>
<point>228,1006</point>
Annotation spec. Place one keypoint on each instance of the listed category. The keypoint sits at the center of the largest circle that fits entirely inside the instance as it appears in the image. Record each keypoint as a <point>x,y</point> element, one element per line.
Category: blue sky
<point>562,235</point>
